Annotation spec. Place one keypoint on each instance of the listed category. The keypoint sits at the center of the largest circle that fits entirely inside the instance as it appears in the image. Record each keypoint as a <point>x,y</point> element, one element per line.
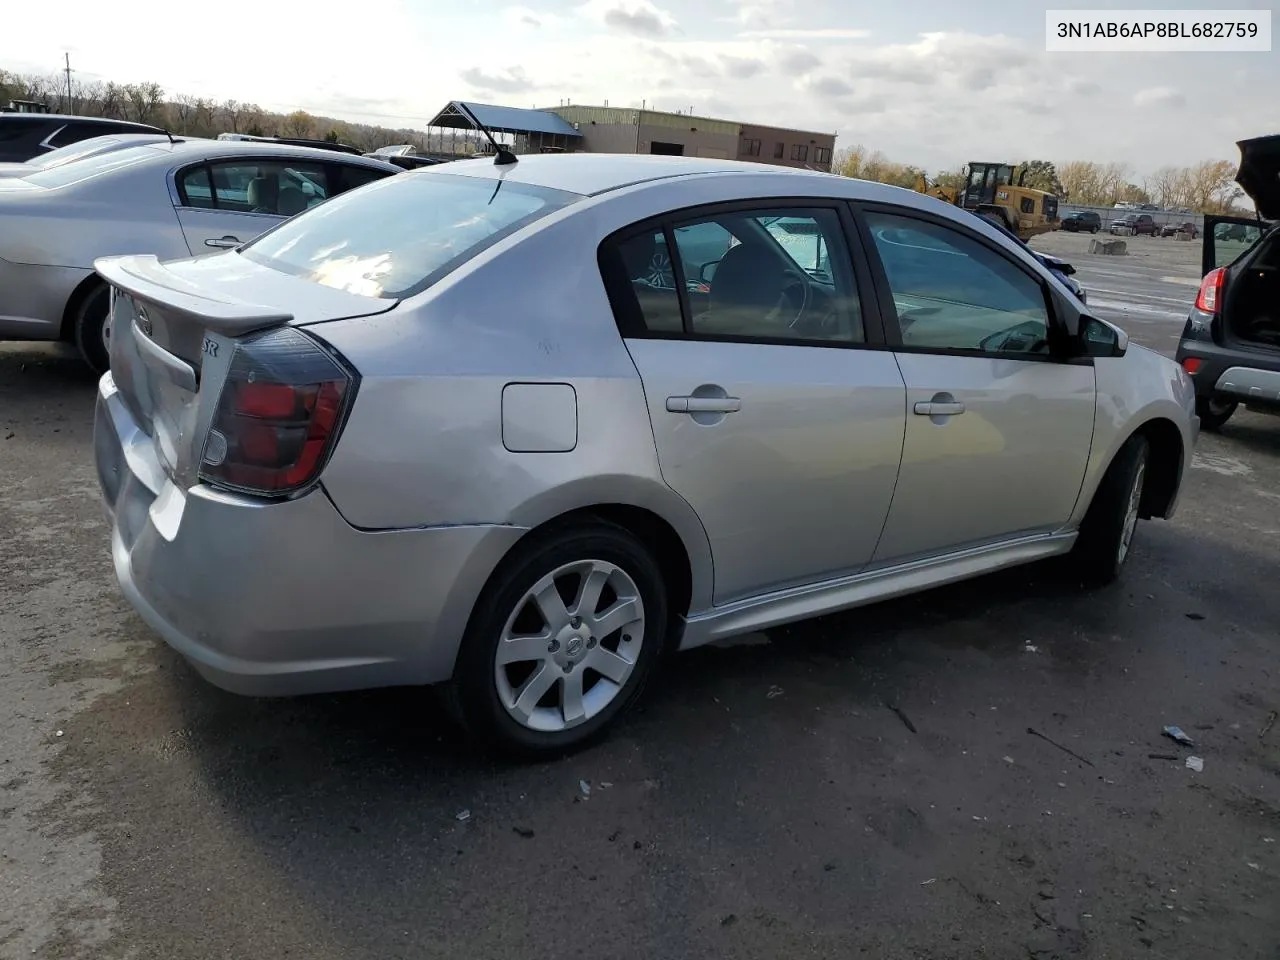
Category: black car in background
<point>27,135</point>
<point>1085,221</point>
<point>1230,345</point>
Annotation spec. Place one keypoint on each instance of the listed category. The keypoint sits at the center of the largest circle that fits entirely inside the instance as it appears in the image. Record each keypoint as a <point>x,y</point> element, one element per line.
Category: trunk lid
<point>173,330</point>
<point>1259,174</point>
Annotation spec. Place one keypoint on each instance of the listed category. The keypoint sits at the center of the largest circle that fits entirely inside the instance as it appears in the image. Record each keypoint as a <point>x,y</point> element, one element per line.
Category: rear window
<point>88,167</point>
<point>396,237</point>
<point>74,151</point>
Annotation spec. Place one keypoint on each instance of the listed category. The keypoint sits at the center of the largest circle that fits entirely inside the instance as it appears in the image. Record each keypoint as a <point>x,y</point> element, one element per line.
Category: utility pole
<point>67,59</point>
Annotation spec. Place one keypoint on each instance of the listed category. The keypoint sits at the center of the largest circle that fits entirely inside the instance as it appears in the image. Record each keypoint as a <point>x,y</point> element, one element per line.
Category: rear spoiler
<point>143,276</point>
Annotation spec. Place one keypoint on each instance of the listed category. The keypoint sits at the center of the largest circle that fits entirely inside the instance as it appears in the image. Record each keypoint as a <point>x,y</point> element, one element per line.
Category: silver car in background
<point>92,147</point>
<point>519,429</point>
<point>167,198</point>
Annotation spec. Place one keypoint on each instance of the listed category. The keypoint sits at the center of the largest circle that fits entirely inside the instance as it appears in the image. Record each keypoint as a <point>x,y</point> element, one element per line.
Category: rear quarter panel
<point>424,442</point>
<point>72,226</point>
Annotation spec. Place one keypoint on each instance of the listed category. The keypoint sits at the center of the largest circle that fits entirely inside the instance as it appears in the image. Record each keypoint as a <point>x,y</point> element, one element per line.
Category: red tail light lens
<point>1192,365</point>
<point>281,409</point>
<point>1209,299</point>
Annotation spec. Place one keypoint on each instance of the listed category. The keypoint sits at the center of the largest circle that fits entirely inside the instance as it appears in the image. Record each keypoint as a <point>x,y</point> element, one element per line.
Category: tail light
<point>1209,299</point>
<point>280,412</point>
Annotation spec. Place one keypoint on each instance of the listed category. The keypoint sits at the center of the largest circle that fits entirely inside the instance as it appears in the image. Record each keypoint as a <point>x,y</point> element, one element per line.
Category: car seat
<point>262,195</point>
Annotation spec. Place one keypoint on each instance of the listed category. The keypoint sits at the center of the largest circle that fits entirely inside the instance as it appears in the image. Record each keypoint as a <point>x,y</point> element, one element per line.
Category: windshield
<point>87,167</point>
<point>399,235</point>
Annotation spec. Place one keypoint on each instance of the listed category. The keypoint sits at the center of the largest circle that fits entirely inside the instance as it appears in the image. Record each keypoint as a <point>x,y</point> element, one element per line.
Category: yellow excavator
<point>996,190</point>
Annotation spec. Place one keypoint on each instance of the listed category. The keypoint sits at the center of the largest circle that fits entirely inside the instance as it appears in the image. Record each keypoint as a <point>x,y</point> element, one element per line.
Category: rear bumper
<point>1244,375</point>
<point>283,598</point>
<point>33,299</point>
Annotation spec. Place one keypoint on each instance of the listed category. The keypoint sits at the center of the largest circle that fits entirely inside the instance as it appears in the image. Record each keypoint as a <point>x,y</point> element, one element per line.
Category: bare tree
<point>184,106</point>
<point>143,100</point>
<point>233,110</point>
<point>113,100</point>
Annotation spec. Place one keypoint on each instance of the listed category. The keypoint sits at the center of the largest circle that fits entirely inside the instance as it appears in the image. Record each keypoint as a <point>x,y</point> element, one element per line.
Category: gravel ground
<point>866,784</point>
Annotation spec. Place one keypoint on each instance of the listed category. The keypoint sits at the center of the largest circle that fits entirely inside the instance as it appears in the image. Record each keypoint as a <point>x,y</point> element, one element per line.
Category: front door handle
<point>703,404</point>
<point>939,408</point>
<point>223,243</point>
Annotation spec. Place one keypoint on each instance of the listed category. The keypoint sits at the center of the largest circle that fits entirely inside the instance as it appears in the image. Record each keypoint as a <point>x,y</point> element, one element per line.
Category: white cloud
<point>1159,96</point>
<point>935,99</point>
<point>828,33</point>
<point>831,87</point>
<point>527,17</point>
<point>637,17</point>
<point>513,80</point>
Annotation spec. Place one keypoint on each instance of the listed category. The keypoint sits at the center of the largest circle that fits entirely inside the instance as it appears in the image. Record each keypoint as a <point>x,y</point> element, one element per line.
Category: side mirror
<point>1099,339</point>
<point>708,271</point>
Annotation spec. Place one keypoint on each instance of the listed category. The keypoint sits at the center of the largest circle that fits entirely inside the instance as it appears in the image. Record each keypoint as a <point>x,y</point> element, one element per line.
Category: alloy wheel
<point>569,646</point>
<point>1131,512</point>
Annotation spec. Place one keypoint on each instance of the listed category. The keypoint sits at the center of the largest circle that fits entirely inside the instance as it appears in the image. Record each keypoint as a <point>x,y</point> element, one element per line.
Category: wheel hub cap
<point>560,661</point>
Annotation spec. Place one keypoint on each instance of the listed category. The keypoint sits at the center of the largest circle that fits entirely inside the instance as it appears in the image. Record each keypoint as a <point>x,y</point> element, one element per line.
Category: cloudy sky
<point>930,82</point>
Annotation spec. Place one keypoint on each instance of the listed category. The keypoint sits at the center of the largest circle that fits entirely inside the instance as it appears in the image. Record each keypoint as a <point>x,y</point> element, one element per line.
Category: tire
<point>1214,412</point>
<point>89,327</point>
<point>499,704</point>
<point>1106,535</point>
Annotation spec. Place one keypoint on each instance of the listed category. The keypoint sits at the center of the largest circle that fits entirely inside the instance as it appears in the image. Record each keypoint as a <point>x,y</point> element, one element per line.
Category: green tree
<point>1042,175</point>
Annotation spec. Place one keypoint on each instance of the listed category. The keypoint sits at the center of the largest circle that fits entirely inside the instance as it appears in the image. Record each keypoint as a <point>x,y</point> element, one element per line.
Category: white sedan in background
<point>168,197</point>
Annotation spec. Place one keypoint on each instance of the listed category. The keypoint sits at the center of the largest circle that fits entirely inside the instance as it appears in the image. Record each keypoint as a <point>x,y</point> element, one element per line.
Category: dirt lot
<point>863,785</point>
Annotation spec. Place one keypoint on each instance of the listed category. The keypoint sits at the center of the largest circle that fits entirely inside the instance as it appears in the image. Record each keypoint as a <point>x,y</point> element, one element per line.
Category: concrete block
<point>1114,248</point>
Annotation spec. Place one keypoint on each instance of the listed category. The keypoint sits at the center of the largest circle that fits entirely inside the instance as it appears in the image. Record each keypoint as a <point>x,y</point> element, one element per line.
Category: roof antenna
<point>502,156</point>
<point>168,134</point>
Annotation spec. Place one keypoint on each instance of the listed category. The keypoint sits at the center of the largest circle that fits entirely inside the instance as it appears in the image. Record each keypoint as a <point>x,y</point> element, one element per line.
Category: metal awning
<point>511,120</point>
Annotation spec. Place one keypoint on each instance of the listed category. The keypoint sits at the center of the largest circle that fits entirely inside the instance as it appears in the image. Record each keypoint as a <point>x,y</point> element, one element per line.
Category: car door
<point>1227,239</point>
<point>773,413</point>
<point>998,428</point>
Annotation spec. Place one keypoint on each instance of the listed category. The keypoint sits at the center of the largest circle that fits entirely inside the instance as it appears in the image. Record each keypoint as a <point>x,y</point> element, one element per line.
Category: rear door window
<point>348,176</point>
<point>195,187</point>
<point>398,236</point>
<point>279,188</point>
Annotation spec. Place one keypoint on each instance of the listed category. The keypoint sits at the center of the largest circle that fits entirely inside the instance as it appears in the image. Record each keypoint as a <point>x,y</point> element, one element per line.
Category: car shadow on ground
<point>1254,432</point>
<point>762,786</point>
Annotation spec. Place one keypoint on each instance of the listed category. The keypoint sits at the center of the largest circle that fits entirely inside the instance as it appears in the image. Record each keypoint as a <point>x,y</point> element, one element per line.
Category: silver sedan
<point>167,198</point>
<point>519,429</point>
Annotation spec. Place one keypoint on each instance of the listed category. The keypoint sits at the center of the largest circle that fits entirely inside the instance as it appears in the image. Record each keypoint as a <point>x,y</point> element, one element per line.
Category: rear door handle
<point>703,404</point>
<point>223,243</point>
<point>939,408</point>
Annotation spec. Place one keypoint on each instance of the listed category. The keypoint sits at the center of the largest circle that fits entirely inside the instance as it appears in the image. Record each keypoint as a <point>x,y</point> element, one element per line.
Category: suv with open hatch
<point>1231,340</point>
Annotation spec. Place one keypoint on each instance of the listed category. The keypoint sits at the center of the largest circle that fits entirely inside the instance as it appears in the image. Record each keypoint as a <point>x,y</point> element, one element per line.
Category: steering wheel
<point>793,278</point>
